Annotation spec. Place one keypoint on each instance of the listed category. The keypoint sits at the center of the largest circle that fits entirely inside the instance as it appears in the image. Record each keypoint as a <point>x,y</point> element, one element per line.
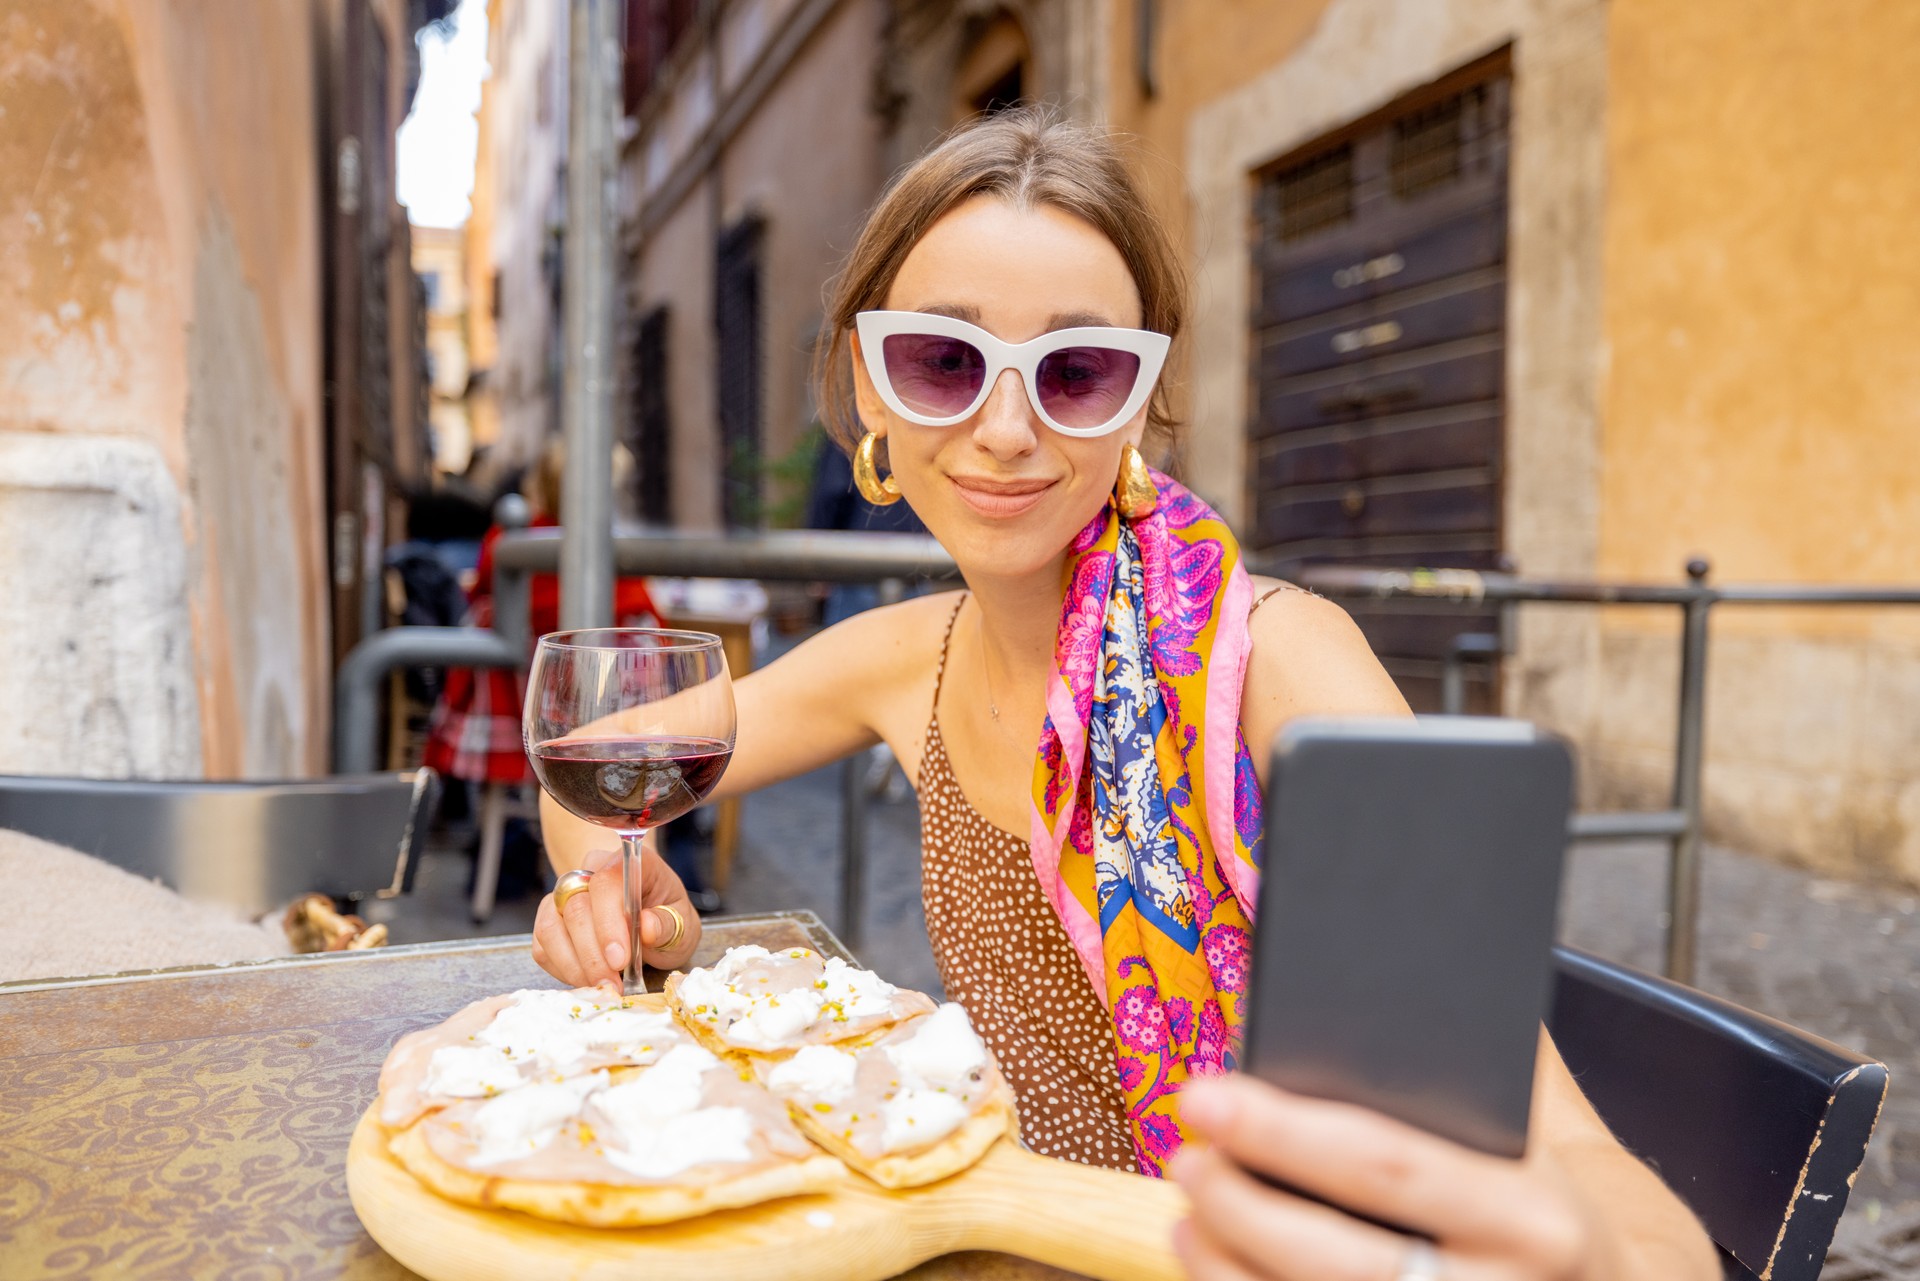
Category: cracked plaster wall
<point>160,531</point>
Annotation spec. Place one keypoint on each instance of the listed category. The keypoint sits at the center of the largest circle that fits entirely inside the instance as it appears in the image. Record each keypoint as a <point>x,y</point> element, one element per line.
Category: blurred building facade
<point>1591,288</point>
<point>522,217</point>
<point>440,265</point>
<point>477,263</point>
<point>207,403</point>
<point>1580,287</point>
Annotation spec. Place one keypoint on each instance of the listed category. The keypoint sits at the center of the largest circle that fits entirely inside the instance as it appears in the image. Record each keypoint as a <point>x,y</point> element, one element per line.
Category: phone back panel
<point>1402,955</point>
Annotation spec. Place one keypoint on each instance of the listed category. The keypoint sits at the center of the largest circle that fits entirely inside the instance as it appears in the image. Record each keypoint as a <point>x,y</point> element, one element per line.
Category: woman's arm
<point>826,699</point>
<point>1578,1207</point>
<point>1308,659</point>
<point>831,696</point>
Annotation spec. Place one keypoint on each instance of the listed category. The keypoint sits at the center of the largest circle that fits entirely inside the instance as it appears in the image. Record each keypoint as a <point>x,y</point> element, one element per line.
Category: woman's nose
<point>1006,426</point>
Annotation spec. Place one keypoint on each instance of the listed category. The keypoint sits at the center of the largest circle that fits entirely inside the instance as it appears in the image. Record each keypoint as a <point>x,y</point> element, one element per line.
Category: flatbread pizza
<point>921,1102</point>
<point>757,1002</point>
<point>765,1075</point>
<point>625,1148</point>
<point>508,1041</point>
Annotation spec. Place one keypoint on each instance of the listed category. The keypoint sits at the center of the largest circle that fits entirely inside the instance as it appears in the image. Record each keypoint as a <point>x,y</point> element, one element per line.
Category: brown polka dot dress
<point>1003,954</point>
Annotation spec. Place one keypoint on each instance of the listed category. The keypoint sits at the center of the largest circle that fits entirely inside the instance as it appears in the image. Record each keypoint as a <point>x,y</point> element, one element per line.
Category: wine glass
<point>629,728</point>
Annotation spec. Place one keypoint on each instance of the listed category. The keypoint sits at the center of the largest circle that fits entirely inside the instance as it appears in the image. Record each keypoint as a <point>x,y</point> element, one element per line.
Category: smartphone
<point>1402,954</point>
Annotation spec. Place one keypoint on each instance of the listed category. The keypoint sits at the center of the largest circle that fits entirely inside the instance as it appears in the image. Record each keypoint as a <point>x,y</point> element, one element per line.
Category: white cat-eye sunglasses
<point>937,371</point>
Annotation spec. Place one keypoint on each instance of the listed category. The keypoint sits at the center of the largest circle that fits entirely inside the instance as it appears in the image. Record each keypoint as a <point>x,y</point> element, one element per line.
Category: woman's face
<point>1002,491</point>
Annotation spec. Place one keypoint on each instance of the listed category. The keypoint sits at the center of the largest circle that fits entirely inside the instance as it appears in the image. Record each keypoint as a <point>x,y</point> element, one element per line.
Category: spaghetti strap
<point>939,676</point>
<point>940,672</point>
<point>1270,594</point>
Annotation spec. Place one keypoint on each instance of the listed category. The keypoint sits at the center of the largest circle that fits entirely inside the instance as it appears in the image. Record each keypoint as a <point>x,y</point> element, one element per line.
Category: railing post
<point>1480,647</point>
<point>586,402</point>
<point>1683,868</point>
<point>1453,682</point>
<point>512,589</point>
<point>853,849</point>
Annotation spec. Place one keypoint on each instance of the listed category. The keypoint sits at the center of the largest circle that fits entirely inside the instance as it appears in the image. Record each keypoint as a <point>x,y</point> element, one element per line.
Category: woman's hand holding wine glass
<point>627,728</point>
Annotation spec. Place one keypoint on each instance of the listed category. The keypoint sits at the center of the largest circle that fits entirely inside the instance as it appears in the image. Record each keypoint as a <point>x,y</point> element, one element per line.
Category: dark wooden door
<point>736,317</point>
<point>1379,348</point>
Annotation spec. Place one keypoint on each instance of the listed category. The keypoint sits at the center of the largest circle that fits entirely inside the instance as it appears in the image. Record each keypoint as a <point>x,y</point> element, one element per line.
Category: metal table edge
<point>805,918</point>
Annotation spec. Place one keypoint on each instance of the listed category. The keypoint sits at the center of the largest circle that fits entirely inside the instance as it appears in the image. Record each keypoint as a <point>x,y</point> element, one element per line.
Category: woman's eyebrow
<point>1077,320</point>
<point>955,310</point>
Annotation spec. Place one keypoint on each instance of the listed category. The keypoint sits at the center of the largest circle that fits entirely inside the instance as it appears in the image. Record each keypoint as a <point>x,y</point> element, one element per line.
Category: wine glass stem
<point>634,979</point>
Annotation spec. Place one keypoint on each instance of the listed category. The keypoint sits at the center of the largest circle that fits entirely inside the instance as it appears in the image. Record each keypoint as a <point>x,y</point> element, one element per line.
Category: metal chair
<point>254,846</point>
<point>1759,1127</point>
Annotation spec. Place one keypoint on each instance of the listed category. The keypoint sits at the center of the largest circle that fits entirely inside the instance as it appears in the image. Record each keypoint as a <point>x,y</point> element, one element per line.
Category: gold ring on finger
<point>569,884</point>
<point>679,928</point>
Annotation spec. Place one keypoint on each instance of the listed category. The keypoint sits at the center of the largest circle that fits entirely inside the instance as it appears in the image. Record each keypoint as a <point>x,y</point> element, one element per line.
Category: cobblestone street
<point>1834,958</point>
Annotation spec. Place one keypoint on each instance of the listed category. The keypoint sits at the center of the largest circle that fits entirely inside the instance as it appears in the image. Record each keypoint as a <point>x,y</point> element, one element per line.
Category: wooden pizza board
<point>1100,1223</point>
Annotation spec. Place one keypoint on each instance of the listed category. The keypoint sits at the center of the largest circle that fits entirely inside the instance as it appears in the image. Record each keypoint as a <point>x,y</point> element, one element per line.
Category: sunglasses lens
<point>1087,386</point>
<point>933,375</point>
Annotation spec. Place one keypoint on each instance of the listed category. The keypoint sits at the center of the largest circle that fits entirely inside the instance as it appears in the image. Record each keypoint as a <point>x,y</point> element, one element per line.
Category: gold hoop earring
<point>1133,493</point>
<point>867,479</point>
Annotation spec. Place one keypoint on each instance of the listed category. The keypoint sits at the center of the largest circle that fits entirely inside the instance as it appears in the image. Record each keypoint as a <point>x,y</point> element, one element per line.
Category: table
<point>194,1122</point>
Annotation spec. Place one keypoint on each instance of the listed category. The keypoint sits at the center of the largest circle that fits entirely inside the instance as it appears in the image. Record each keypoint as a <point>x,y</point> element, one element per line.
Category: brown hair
<point>1029,157</point>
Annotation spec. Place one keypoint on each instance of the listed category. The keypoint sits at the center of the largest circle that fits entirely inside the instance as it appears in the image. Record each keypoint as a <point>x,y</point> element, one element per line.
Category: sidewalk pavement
<point>1837,959</point>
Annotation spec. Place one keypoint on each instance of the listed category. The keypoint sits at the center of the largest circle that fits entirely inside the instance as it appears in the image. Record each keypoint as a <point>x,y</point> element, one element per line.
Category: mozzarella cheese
<point>527,1119</point>
<point>658,1125</point>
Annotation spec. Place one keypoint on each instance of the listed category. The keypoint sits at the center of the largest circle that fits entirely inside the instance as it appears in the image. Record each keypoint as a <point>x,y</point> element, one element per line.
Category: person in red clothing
<point>474,733</point>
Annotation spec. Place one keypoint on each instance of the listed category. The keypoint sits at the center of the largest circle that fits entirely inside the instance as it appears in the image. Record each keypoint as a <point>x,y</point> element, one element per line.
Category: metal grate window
<point>1309,197</point>
<point>1378,356</point>
<point>1430,148</point>
<point>651,427</point>
<point>736,316</point>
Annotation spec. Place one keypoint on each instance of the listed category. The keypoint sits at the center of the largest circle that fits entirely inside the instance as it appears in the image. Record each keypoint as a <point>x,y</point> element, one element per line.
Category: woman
<point>1089,902</point>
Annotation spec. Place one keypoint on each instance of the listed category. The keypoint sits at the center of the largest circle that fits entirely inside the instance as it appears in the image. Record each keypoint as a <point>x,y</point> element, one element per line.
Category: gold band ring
<point>569,884</point>
<point>679,929</point>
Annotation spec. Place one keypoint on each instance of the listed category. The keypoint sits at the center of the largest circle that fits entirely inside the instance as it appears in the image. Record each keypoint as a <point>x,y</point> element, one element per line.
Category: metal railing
<point>892,560</point>
<point>889,560</point>
<point>1679,825</point>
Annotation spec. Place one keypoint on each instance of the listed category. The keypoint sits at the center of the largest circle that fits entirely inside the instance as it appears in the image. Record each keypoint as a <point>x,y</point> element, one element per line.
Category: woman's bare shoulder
<point>1310,658</point>
<point>890,655</point>
<point>908,633</point>
<point>891,651</point>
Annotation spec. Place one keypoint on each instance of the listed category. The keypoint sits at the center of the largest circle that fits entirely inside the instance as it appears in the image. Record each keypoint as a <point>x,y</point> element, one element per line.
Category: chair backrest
<point>1756,1125</point>
<point>251,845</point>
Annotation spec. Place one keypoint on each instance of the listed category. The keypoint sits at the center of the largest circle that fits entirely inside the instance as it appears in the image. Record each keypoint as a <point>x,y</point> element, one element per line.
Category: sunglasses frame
<point>875,327</point>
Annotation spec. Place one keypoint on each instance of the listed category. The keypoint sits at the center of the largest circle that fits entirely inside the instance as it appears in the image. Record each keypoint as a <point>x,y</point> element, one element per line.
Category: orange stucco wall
<point>1763,296</point>
<point>160,339</point>
<point>1200,53</point>
<point>1762,406</point>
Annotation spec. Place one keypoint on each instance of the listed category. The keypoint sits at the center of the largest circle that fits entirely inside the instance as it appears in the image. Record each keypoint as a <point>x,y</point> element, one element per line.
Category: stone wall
<point>161,561</point>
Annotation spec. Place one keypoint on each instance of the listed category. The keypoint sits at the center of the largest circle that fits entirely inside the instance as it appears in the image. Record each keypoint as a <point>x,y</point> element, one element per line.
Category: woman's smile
<point>1001,499</point>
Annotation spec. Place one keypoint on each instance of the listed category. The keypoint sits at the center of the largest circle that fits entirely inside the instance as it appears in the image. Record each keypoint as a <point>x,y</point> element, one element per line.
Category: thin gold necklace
<point>980,631</point>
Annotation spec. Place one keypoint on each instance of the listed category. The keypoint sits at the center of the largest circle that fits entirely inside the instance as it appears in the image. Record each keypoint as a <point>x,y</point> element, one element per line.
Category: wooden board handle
<point>1098,1222</point>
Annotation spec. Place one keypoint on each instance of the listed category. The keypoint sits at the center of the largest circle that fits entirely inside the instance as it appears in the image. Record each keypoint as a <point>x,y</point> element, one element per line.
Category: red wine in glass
<point>629,728</point>
<point>625,783</point>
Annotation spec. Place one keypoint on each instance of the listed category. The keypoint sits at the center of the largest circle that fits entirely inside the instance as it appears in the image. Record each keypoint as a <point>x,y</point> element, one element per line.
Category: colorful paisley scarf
<point>1146,816</point>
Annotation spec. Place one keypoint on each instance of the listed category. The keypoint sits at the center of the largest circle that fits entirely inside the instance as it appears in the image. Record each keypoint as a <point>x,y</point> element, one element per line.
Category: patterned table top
<point>194,1123</point>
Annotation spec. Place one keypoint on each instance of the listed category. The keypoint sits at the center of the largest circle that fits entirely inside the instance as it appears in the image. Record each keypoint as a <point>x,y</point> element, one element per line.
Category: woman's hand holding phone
<point>1488,1218</point>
